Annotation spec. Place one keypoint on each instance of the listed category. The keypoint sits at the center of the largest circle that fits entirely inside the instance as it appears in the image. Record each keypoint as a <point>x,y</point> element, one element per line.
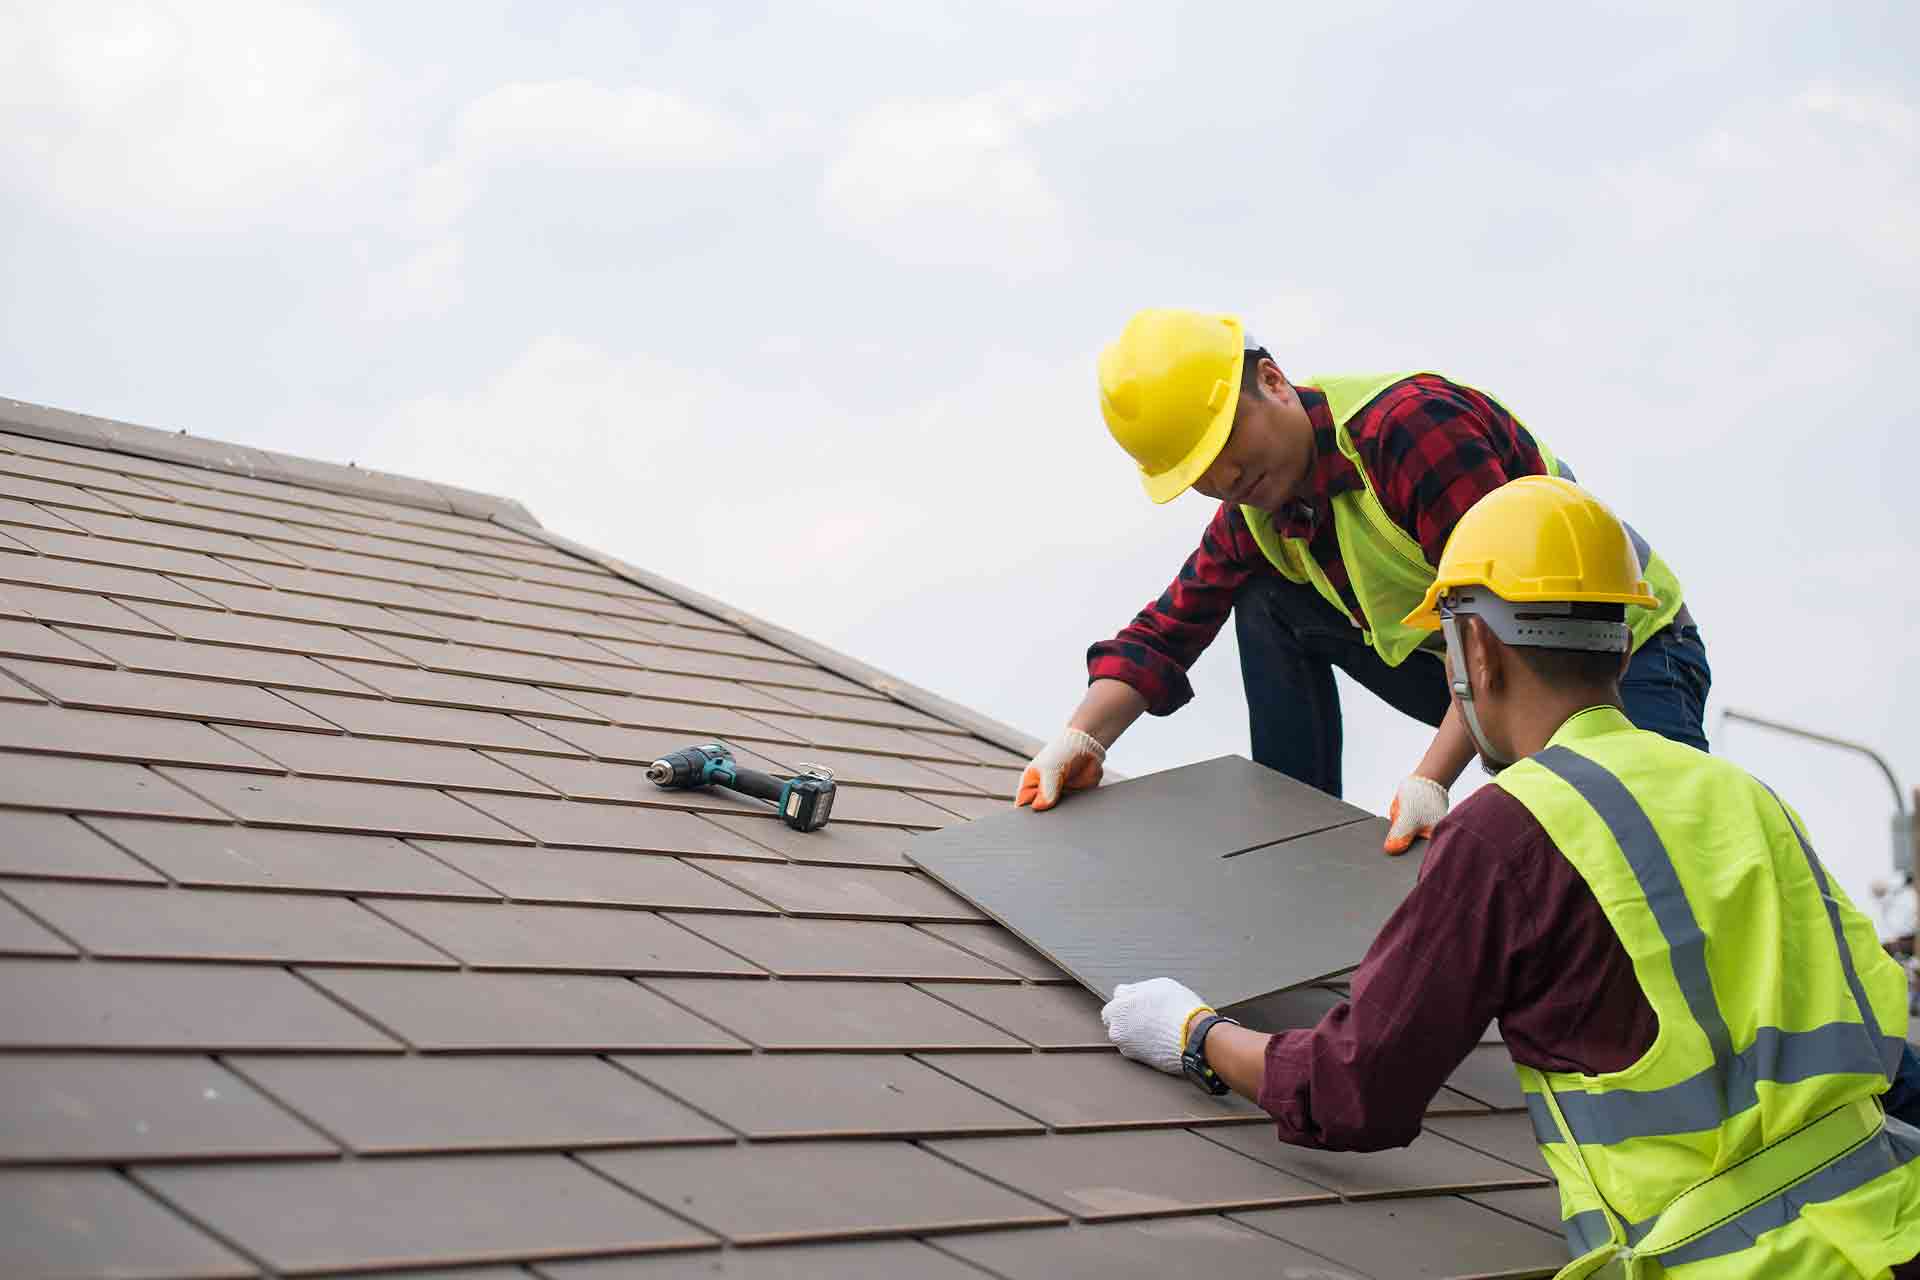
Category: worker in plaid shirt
<point>1336,498</point>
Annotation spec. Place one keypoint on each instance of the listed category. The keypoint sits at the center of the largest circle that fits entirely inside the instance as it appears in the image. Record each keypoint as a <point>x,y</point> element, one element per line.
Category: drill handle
<point>761,786</point>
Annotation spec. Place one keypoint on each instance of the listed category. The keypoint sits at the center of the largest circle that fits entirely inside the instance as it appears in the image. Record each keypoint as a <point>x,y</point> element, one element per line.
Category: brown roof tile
<point>848,736</point>
<point>42,605</point>
<point>526,1012</point>
<point>1507,1136</point>
<point>109,690</point>
<point>93,1222</point>
<point>833,1017</point>
<point>288,606</point>
<point>1487,1076</point>
<point>803,1191</point>
<point>490,634</point>
<point>894,808</point>
<point>838,1095</point>
<point>95,579</point>
<point>232,857</point>
<point>23,639</point>
<point>434,688</point>
<point>273,532</point>
<point>586,877</point>
<point>421,1105</point>
<point>157,656</point>
<point>1050,1017</point>
<point>1430,1164</point>
<point>27,489</point>
<point>318,805</point>
<point>69,1108</point>
<point>52,730</point>
<point>56,1004</point>
<point>623,745</point>
<point>681,717</point>
<point>1209,1246</point>
<point>154,533</point>
<point>563,939</point>
<point>94,786</point>
<point>131,555</point>
<point>1440,1236</point>
<point>1099,1176</point>
<point>1536,1206</point>
<point>861,769</point>
<point>26,515</point>
<point>1068,1091</point>
<point>446,1209</point>
<point>134,922</point>
<point>833,844</point>
<point>317,755</point>
<point>795,948</point>
<point>586,825</point>
<point>845,892</point>
<point>22,935</point>
<point>238,630</point>
<point>865,1260</point>
<point>59,846</point>
<point>993,943</point>
<point>458,658</point>
<point>405,722</point>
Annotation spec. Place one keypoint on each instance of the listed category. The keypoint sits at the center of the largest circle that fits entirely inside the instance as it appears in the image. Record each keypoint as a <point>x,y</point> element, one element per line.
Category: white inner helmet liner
<point>1543,624</point>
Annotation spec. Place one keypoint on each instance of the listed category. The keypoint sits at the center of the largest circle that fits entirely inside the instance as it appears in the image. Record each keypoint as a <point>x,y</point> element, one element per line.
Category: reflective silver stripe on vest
<point>1692,1106</point>
<point>1889,1062</point>
<point>1660,885</point>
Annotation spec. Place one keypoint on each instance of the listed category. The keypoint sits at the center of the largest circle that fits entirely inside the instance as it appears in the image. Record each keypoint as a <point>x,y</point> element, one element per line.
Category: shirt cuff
<point>1153,675</point>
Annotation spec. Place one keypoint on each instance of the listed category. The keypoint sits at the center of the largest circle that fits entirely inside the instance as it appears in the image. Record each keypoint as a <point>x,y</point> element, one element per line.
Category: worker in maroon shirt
<point>1336,497</point>
<point>1704,1027</point>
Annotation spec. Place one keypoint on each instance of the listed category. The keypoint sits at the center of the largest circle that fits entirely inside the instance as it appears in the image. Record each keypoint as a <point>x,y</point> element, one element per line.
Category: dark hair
<point>1577,667</point>
<point>1250,370</point>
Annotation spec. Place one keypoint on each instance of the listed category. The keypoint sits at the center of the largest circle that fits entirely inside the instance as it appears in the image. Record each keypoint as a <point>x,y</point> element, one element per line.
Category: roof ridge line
<point>84,430</point>
<point>861,673</point>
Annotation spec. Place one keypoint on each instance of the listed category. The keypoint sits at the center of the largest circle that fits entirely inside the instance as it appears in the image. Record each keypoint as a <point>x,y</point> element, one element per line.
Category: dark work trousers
<point>1291,640</point>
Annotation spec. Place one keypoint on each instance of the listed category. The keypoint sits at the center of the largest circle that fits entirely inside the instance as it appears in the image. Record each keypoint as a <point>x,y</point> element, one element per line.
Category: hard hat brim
<point>1427,616</point>
<point>1176,480</point>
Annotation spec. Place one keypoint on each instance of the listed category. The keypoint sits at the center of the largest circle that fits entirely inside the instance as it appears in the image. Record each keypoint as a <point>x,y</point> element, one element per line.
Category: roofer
<point>1336,498</point>
<point>1684,990</point>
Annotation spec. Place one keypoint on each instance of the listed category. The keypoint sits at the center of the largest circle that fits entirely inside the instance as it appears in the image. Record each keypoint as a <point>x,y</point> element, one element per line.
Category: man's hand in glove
<point>1073,761</point>
<point>1148,1021</point>
<point>1417,806</point>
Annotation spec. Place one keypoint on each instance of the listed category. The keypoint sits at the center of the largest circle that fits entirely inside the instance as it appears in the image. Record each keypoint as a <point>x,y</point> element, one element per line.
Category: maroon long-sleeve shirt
<point>1501,926</point>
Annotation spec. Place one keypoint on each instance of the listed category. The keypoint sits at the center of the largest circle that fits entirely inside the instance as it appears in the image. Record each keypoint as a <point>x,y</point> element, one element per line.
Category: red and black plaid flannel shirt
<point>1433,448</point>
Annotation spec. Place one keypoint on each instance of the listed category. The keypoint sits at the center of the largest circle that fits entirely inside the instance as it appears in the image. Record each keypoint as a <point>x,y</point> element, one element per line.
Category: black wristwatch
<point>1194,1061</point>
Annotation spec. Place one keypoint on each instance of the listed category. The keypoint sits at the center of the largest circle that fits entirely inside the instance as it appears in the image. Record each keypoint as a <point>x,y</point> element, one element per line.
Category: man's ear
<point>1487,660</point>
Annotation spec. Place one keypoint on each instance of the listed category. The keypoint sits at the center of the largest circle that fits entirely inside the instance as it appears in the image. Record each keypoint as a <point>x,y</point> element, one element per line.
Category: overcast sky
<point>799,303</point>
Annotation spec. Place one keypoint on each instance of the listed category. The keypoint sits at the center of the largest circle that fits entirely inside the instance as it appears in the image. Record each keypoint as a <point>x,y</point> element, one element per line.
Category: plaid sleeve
<point>1434,448</point>
<point>1153,652</point>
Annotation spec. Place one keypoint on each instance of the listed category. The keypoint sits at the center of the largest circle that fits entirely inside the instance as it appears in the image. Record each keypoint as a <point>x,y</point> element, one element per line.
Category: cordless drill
<point>804,801</point>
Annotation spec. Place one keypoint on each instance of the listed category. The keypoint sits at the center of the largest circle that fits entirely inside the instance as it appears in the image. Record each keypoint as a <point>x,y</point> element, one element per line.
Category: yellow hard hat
<point>1538,538</point>
<point>1168,389</point>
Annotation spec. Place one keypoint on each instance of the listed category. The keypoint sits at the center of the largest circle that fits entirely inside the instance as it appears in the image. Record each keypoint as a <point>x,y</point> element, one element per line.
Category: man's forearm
<point>1239,1057</point>
<point>1450,752</point>
<point>1107,709</point>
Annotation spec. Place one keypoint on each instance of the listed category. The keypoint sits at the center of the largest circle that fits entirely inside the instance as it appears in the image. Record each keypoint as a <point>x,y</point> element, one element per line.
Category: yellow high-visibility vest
<point>1749,1140</point>
<point>1388,570</point>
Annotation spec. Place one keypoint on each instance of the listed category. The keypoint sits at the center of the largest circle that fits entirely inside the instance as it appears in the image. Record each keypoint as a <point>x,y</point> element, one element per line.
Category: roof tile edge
<point>64,426</point>
<point>901,691</point>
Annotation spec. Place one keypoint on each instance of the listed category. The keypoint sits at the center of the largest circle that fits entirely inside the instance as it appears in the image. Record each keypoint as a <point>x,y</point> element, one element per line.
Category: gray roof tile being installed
<point>340,932</point>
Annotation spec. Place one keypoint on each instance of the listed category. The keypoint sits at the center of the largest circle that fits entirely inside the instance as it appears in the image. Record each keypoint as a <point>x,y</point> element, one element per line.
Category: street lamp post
<point>1906,840</point>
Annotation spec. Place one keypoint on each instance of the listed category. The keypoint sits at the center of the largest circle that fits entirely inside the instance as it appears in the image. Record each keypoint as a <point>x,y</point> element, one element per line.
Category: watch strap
<point>1193,1060</point>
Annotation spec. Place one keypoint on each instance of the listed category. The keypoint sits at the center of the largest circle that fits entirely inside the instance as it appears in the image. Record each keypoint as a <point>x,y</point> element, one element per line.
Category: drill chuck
<point>804,802</point>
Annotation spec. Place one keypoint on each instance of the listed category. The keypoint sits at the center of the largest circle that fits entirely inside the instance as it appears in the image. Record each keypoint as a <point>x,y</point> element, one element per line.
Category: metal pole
<point>1845,744</point>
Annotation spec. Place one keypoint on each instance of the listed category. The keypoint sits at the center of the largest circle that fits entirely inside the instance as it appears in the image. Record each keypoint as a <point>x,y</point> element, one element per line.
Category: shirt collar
<point>1594,722</point>
<point>1333,473</point>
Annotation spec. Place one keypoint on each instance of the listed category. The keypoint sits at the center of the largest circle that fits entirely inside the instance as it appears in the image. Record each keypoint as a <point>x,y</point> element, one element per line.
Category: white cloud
<point>181,111</point>
<point>1874,110</point>
<point>579,125</point>
<point>951,181</point>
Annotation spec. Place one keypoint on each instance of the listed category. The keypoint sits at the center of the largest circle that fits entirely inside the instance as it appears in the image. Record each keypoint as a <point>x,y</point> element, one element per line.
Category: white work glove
<point>1417,806</point>
<point>1148,1021</point>
<point>1073,761</point>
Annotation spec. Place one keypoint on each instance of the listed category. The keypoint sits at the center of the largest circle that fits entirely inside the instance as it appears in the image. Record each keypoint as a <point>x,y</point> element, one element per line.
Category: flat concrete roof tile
<point>585,825</point>
<point>671,686</point>
<point>847,736</point>
<point>622,783</point>
<point>970,807</point>
<point>833,1017</point>
<point>1487,1076</point>
<point>24,488</point>
<point>319,805</point>
<point>93,1222</point>
<point>562,939</point>
<point>1069,1091</point>
<point>154,533</point>
<point>398,1212</point>
<point>458,658</point>
<point>586,877</point>
<point>692,719</point>
<point>94,786</point>
<point>316,755</point>
<point>407,722</point>
<point>845,892</point>
<point>362,591</point>
<point>90,549</point>
<point>1441,1236</point>
<point>35,463</point>
<point>619,744</point>
<point>189,516</point>
<point>22,935</point>
<point>203,1008</point>
<point>1430,1165</point>
<point>232,857</point>
<point>796,948</point>
<point>69,607</point>
<point>96,579</point>
<point>1506,1136</point>
<point>802,1191</point>
<point>1100,1176</point>
<point>57,846</point>
<point>1537,1206</point>
<point>866,1260</point>
<point>111,690</point>
<point>840,1095</point>
<point>991,942</point>
<point>136,922</point>
<point>156,656</point>
<point>524,1012</point>
<point>71,1108</point>
<point>290,606</point>
<point>20,638</point>
<point>489,634</point>
<point>848,845</point>
<point>1050,1017</point>
<point>1208,1246</point>
<point>433,688</point>
<point>893,808</point>
<point>29,516</point>
<point>866,709</point>
<point>864,769</point>
<point>428,1104</point>
<point>243,631</point>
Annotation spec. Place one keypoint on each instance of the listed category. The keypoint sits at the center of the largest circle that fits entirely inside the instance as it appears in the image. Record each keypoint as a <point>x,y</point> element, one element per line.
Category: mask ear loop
<point>1463,689</point>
